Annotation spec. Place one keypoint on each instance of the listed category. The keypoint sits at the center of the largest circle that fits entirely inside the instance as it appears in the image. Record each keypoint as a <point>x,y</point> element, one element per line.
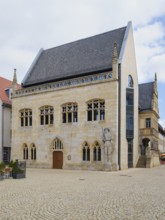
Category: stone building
<point>78,105</point>
<point>161,144</point>
<point>5,119</point>
<point>148,124</point>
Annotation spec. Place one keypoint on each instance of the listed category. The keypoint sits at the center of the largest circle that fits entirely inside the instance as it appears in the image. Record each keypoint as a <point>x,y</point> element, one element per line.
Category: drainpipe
<point>2,129</point>
<point>119,114</point>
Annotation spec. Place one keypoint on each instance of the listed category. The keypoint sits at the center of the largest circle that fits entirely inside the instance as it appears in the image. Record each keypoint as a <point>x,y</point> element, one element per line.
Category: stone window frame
<point>57,144</point>
<point>96,110</point>
<point>86,151</point>
<point>33,152</point>
<point>69,113</point>
<point>26,117</point>
<point>46,115</point>
<point>97,151</point>
<point>25,152</point>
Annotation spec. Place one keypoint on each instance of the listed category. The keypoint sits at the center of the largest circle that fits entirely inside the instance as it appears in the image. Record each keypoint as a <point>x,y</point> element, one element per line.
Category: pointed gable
<point>75,59</point>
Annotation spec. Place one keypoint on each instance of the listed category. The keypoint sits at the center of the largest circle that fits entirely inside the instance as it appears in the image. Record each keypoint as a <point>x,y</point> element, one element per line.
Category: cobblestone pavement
<point>134,194</point>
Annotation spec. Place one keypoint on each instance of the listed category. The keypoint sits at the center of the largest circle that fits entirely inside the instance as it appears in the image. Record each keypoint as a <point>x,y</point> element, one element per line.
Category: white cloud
<point>150,51</point>
<point>26,26</point>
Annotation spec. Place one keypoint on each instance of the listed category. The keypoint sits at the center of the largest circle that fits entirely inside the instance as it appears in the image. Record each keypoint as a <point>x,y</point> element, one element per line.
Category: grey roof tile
<point>77,58</point>
<point>145,96</point>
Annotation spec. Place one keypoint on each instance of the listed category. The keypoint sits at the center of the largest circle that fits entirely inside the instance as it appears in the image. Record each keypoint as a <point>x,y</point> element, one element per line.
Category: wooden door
<point>57,159</point>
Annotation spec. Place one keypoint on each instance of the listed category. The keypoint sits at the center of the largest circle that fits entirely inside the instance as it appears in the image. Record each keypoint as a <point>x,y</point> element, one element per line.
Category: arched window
<point>70,113</point>
<point>57,144</point>
<point>96,110</point>
<point>130,81</point>
<point>97,152</point>
<point>86,152</point>
<point>25,152</point>
<point>33,152</point>
<point>46,115</point>
<point>25,117</point>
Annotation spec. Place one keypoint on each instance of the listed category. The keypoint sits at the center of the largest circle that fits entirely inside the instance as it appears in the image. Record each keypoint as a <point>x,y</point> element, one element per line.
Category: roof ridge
<point>5,79</point>
<point>86,38</point>
<point>146,83</point>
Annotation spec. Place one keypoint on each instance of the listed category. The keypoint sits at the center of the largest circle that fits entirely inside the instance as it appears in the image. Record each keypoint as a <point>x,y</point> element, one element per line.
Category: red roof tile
<point>4,84</point>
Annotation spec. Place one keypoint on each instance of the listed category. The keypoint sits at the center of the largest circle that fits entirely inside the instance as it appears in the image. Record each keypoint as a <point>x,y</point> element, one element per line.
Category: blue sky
<point>27,26</point>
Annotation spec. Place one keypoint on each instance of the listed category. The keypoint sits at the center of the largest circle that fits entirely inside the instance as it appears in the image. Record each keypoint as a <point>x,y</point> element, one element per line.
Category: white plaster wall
<point>0,130</point>
<point>7,127</point>
<point>128,67</point>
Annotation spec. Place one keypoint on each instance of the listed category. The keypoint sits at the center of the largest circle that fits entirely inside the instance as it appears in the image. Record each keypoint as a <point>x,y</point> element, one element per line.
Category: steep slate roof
<point>5,84</point>
<point>75,59</point>
<point>145,96</point>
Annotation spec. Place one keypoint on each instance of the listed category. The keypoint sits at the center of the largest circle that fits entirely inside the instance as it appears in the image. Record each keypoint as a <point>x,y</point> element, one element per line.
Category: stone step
<point>141,162</point>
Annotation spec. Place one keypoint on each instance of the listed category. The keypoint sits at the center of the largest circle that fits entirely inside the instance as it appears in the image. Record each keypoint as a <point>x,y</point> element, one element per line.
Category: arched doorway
<point>57,148</point>
<point>145,142</point>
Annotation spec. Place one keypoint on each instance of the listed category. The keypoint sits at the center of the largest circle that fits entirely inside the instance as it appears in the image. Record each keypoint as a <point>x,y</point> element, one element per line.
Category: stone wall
<point>72,135</point>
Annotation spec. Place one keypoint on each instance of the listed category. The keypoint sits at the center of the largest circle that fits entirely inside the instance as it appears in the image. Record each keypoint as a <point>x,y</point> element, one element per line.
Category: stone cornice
<point>86,80</point>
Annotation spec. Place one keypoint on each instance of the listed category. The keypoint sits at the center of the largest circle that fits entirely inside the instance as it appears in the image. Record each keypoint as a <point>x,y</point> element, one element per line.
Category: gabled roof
<point>5,84</point>
<point>75,59</point>
<point>145,96</point>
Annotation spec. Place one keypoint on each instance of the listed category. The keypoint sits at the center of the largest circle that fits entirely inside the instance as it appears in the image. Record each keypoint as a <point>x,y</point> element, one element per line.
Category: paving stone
<point>84,195</point>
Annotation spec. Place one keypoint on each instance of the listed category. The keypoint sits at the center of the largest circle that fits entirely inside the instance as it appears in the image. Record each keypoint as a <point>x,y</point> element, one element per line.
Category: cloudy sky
<point>28,25</point>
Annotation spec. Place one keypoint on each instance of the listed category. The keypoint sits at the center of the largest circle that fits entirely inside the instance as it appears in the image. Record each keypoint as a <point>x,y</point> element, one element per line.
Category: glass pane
<point>35,154</point>
<point>95,105</point>
<point>99,154</point>
<point>96,115</point>
<point>102,114</point>
<point>22,122</point>
<point>90,106</point>
<point>26,153</point>
<point>75,117</point>
<point>84,154</point>
<point>46,119</point>
<point>26,121</point>
<point>32,154</point>
<point>69,117</point>
<point>88,154</point>
<point>30,121</point>
<point>89,116</point>
<point>94,154</point>
<point>64,118</point>
<point>42,120</point>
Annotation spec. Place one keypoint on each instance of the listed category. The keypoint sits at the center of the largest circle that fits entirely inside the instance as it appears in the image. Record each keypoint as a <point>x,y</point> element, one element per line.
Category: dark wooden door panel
<point>57,159</point>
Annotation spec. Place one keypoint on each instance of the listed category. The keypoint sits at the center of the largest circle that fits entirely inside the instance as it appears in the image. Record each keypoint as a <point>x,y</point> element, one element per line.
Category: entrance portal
<point>145,142</point>
<point>57,159</point>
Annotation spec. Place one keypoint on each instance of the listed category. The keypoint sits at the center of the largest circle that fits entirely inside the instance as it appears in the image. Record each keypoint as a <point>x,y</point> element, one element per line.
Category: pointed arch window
<point>33,152</point>
<point>97,152</point>
<point>86,152</point>
<point>25,117</point>
<point>46,115</point>
<point>25,152</point>
<point>57,144</point>
<point>96,110</point>
<point>70,113</point>
<point>130,81</point>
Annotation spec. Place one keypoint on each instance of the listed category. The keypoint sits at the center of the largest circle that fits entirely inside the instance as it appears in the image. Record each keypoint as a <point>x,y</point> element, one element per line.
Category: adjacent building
<point>148,124</point>
<point>5,119</point>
